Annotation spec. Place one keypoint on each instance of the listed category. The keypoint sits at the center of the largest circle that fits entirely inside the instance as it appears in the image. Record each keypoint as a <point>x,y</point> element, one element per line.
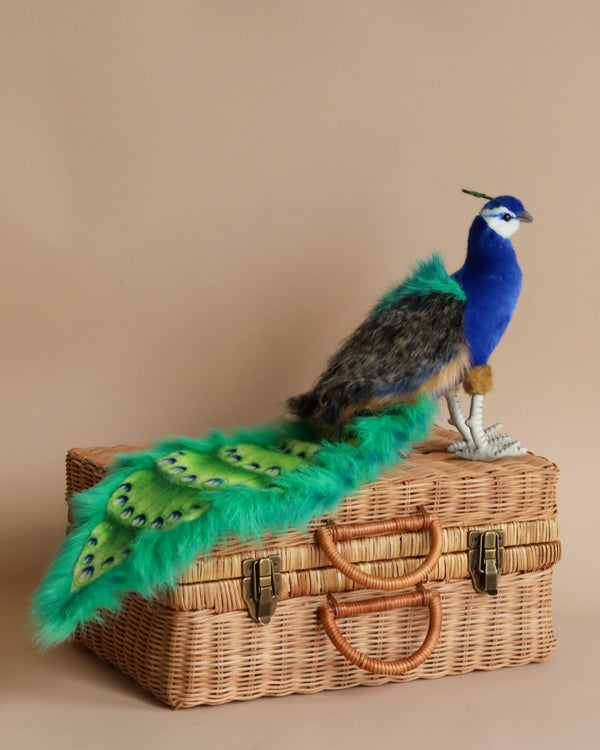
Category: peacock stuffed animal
<point>159,509</point>
<point>423,338</point>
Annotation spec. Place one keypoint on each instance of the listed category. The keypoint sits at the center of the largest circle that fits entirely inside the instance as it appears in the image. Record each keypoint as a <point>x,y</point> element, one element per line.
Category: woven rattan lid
<point>516,495</point>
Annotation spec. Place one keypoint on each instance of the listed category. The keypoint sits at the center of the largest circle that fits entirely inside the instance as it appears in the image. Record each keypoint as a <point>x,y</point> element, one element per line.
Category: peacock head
<point>503,214</point>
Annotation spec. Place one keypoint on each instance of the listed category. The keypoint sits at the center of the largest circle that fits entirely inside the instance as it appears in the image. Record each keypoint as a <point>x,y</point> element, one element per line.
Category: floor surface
<point>67,698</point>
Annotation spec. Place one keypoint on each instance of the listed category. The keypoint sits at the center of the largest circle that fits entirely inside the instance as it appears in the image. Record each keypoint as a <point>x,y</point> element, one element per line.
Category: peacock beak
<point>525,216</point>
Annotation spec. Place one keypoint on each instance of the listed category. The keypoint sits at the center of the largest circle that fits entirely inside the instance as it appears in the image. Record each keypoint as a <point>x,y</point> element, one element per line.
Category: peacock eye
<point>507,217</point>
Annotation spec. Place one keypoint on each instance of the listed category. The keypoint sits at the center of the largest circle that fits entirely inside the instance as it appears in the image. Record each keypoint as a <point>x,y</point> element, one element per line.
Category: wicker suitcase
<point>482,538</point>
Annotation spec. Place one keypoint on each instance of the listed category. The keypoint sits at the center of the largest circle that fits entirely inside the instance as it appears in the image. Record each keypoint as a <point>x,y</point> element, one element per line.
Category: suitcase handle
<point>328,535</point>
<point>332,611</point>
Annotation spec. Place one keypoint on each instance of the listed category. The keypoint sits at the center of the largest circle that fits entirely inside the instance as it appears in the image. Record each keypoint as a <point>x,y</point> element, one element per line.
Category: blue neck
<point>487,251</point>
<point>491,280</point>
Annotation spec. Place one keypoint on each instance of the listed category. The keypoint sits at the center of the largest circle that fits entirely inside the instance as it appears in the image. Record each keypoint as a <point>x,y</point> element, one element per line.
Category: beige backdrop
<point>198,200</point>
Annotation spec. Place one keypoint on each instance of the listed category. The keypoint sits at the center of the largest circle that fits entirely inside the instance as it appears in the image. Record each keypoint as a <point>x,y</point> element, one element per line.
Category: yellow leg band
<point>479,380</point>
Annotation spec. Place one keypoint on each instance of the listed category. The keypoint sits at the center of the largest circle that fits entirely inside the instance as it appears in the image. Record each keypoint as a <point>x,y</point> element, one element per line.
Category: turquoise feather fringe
<point>158,558</point>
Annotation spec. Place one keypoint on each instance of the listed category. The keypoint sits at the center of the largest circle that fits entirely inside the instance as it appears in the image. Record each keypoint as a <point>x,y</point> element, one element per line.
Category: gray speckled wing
<point>390,357</point>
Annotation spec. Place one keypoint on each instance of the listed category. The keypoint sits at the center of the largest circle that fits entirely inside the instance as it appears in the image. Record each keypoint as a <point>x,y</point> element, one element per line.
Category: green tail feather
<point>108,545</point>
<point>158,510</point>
<point>145,500</point>
<point>148,560</point>
<point>168,493</point>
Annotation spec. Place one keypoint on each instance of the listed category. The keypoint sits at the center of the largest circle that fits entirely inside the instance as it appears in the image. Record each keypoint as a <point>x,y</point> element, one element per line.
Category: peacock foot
<point>488,447</point>
<point>479,444</point>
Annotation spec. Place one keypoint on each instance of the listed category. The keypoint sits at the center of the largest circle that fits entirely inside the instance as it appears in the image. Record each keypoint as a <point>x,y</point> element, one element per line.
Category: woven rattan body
<point>197,643</point>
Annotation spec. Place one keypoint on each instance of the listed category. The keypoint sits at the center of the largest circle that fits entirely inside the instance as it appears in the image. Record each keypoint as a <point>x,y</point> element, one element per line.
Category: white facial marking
<point>494,218</point>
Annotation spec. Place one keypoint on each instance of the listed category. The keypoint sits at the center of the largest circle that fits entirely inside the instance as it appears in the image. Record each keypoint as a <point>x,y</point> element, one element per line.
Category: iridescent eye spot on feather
<point>175,515</point>
<point>108,562</point>
<point>88,559</point>
<point>177,469</point>
<point>189,478</point>
<point>251,467</point>
<point>127,512</point>
<point>157,523</point>
<point>121,500</point>
<point>167,461</point>
<point>139,520</point>
<point>92,541</point>
<point>229,451</point>
<point>214,482</point>
<point>125,487</point>
<point>235,458</point>
<point>86,573</point>
<point>273,471</point>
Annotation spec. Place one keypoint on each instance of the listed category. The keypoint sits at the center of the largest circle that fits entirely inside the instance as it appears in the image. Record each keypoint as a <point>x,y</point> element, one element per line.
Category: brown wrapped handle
<point>328,535</point>
<point>332,611</point>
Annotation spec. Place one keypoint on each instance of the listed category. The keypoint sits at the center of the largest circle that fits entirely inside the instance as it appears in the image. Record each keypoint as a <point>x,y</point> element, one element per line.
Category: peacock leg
<point>475,422</point>
<point>457,419</point>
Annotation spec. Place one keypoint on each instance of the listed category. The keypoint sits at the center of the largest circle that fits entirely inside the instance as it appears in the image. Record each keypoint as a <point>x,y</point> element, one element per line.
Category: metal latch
<point>486,559</point>
<point>261,587</point>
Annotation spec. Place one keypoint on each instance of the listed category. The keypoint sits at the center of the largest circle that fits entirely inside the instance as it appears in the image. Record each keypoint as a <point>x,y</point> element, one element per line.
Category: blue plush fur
<point>491,279</point>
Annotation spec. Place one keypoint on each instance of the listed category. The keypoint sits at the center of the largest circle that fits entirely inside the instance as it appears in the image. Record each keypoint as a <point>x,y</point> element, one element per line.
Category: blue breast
<point>491,278</point>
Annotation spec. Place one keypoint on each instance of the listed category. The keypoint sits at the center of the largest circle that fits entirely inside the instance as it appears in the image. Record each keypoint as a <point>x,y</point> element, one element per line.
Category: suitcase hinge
<point>261,587</point>
<point>486,559</point>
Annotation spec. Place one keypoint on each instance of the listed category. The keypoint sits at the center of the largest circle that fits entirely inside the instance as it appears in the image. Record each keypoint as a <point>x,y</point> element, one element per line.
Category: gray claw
<point>488,452</point>
<point>461,445</point>
<point>511,449</point>
<point>479,444</point>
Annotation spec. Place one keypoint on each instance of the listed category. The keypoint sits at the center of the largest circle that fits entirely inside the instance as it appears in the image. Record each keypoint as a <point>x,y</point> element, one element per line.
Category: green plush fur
<point>428,276</point>
<point>158,558</point>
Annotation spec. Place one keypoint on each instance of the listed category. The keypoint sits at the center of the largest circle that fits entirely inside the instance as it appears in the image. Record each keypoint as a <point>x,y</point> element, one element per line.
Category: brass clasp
<point>261,587</point>
<point>486,559</point>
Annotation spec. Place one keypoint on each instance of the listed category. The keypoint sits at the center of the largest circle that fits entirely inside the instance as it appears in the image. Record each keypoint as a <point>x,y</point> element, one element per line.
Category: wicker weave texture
<point>508,490</point>
<point>464,494</point>
<point>191,658</point>
<point>389,547</point>
<point>226,595</point>
<point>197,645</point>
